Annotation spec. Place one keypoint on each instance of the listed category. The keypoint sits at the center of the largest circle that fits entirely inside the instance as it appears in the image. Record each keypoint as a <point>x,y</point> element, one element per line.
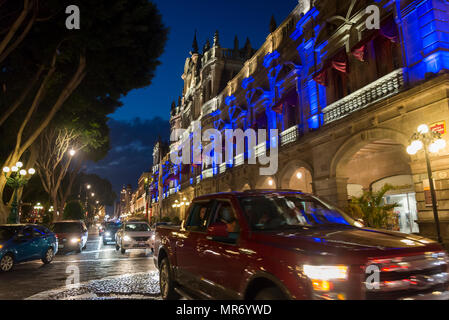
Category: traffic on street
<point>242,150</point>
<point>97,261</point>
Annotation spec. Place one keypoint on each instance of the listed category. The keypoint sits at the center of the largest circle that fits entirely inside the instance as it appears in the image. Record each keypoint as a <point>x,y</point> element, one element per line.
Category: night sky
<point>145,113</point>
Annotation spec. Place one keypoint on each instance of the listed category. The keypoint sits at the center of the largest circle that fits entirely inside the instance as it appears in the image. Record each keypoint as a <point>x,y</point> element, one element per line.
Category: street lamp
<point>72,152</point>
<point>148,182</point>
<point>429,141</point>
<point>38,207</point>
<point>17,178</point>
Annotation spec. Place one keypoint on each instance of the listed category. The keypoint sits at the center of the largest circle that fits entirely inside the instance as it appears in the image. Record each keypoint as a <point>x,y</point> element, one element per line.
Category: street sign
<point>439,127</point>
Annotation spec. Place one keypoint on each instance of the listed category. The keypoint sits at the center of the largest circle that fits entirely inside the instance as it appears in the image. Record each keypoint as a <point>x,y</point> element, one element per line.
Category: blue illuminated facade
<point>296,84</point>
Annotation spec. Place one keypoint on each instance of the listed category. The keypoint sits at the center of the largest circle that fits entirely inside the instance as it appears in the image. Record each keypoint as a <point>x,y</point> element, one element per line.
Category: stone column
<point>333,190</point>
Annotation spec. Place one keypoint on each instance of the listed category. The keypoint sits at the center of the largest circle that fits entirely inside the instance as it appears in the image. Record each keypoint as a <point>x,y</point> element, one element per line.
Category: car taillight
<point>56,236</point>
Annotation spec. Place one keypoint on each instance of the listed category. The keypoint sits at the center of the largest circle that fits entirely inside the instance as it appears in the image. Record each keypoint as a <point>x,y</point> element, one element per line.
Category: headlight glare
<point>126,238</point>
<point>75,240</point>
<point>326,272</point>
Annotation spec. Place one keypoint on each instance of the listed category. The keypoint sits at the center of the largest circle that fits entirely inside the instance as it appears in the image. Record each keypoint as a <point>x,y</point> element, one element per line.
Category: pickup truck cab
<point>276,245</point>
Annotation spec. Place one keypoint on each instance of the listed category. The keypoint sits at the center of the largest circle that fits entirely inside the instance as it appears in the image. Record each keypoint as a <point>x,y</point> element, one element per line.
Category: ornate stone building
<point>345,99</point>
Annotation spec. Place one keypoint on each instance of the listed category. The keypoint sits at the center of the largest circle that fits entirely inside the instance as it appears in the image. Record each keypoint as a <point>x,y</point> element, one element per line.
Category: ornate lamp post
<point>432,142</point>
<point>18,178</point>
<point>148,181</point>
<point>184,202</point>
<point>38,207</point>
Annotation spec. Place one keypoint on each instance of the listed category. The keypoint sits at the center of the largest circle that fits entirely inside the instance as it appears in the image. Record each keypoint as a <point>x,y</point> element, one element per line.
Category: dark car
<point>109,231</point>
<point>268,245</point>
<point>72,235</point>
<point>20,243</point>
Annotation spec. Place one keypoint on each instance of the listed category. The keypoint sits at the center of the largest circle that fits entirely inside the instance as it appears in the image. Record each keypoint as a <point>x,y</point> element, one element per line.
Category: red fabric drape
<point>340,62</point>
<point>185,169</point>
<point>278,108</point>
<point>389,30</point>
<point>321,77</point>
<point>360,52</point>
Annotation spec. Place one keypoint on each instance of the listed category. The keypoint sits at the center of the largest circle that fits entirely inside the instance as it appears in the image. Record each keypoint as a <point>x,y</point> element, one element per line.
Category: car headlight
<point>326,280</point>
<point>153,237</point>
<point>75,240</point>
<point>126,238</point>
<point>107,234</point>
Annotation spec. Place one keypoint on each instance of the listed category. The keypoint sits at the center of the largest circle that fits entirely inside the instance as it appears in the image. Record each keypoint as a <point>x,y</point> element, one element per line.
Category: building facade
<point>345,99</point>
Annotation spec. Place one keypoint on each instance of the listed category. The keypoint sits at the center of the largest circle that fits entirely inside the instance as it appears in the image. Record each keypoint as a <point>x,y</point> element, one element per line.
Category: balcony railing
<point>239,160</point>
<point>208,173</point>
<point>372,93</point>
<point>290,135</point>
<point>222,167</point>
<point>260,149</point>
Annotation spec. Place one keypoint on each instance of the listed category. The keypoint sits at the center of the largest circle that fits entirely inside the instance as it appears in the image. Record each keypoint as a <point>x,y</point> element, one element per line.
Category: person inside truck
<point>203,217</point>
<point>227,216</point>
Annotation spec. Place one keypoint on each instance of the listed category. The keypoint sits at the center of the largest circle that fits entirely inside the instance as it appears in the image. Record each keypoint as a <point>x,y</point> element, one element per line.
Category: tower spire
<point>273,24</point>
<point>216,39</point>
<point>236,43</point>
<point>194,44</point>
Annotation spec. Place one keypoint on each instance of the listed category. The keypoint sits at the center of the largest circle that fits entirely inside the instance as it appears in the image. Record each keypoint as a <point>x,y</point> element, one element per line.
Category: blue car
<point>20,243</point>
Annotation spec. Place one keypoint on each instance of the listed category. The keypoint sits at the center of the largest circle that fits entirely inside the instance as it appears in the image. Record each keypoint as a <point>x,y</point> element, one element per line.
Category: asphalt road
<point>97,261</point>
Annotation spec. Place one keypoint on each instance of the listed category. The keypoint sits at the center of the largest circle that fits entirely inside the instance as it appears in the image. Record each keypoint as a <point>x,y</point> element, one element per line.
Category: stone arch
<point>264,183</point>
<point>357,141</point>
<point>296,175</point>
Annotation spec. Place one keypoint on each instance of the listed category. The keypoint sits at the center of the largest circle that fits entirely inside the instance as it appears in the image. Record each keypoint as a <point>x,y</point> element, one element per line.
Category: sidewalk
<point>134,286</point>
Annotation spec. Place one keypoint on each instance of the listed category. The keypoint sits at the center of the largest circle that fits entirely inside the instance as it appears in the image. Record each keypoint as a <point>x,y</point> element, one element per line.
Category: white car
<point>134,235</point>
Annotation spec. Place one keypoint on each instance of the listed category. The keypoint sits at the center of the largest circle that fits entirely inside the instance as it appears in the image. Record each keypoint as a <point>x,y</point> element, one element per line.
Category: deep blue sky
<point>244,18</point>
<point>145,113</point>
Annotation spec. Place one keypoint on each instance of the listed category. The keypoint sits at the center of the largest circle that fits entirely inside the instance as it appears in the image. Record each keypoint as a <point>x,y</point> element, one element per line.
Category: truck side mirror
<point>217,230</point>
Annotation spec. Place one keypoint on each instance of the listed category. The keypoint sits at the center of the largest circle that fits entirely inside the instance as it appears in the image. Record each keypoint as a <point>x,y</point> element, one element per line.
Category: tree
<point>73,211</point>
<point>101,187</point>
<point>113,53</point>
<point>371,209</point>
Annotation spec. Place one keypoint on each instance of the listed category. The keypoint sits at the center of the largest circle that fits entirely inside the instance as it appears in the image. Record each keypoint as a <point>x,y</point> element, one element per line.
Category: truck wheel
<point>166,283</point>
<point>271,293</point>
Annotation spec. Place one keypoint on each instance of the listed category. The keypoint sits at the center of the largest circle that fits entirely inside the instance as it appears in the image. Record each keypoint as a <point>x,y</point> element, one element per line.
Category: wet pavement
<point>103,273</point>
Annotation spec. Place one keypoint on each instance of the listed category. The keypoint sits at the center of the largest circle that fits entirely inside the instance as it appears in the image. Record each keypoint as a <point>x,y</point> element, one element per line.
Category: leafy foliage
<point>73,211</point>
<point>371,209</point>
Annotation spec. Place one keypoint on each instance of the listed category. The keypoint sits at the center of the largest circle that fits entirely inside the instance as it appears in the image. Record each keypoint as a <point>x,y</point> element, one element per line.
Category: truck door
<point>187,254</point>
<point>223,263</point>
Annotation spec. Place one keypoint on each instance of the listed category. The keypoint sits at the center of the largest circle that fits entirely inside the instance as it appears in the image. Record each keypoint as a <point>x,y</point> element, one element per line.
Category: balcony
<point>211,105</point>
<point>260,149</point>
<point>378,90</point>
<point>239,160</point>
<point>222,167</point>
<point>290,135</point>
<point>208,173</point>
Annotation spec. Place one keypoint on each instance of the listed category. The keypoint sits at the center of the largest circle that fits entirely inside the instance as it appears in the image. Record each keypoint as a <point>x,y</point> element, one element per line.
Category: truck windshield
<point>276,212</point>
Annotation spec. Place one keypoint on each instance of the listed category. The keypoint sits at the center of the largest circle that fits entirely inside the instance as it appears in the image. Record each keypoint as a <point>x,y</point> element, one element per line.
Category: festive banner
<point>340,62</point>
<point>360,52</point>
<point>321,77</point>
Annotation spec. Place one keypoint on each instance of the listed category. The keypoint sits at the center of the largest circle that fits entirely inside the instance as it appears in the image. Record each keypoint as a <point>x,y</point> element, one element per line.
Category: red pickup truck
<point>275,245</point>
